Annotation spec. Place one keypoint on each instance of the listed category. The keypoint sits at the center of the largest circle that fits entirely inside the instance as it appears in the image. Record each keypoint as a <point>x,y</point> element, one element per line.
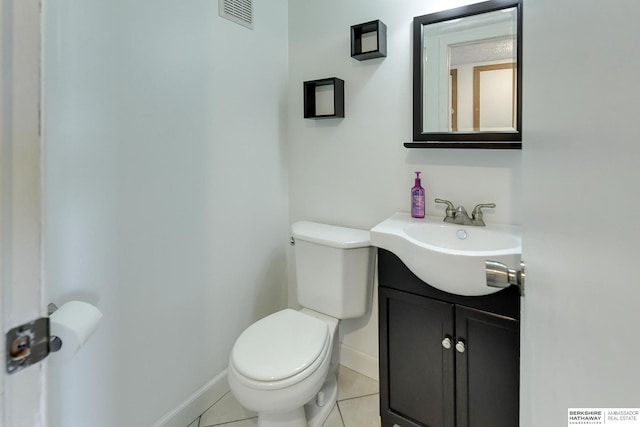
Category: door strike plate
<point>27,344</point>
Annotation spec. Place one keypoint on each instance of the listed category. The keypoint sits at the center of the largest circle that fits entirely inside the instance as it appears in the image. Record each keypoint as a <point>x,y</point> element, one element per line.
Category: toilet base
<point>295,418</point>
<point>316,415</point>
<point>313,414</point>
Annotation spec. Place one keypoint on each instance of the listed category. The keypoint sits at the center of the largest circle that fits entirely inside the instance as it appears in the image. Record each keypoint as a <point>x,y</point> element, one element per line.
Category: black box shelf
<point>314,88</point>
<point>362,47</point>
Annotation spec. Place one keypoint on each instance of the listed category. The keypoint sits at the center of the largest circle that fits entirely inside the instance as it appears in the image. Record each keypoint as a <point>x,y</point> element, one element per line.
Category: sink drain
<point>461,234</point>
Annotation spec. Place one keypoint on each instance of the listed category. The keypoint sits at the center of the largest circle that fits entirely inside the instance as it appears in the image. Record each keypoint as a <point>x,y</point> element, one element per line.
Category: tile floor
<point>358,406</point>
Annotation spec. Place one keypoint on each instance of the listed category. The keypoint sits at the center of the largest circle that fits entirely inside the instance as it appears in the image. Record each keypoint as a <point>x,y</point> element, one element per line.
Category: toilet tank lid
<point>331,235</point>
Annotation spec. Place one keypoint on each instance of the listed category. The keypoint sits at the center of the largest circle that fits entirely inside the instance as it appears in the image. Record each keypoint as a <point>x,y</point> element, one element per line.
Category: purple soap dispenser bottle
<point>417,199</point>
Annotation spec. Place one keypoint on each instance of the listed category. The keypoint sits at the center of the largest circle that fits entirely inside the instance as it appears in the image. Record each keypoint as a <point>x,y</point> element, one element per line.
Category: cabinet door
<point>487,370</point>
<point>416,371</point>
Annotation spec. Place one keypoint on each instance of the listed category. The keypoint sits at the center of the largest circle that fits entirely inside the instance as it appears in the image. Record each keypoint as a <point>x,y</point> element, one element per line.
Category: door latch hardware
<point>30,343</point>
<point>501,276</point>
<point>27,344</point>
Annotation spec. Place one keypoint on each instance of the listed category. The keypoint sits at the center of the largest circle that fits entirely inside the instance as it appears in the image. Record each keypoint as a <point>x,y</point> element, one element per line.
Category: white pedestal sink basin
<point>449,257</point>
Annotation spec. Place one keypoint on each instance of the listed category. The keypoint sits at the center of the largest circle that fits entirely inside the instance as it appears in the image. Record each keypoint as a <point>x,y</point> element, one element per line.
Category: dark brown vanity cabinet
<point>445,360</point>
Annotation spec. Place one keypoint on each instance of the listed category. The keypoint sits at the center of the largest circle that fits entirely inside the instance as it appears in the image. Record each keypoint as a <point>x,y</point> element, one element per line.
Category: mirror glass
<point>467,82</point>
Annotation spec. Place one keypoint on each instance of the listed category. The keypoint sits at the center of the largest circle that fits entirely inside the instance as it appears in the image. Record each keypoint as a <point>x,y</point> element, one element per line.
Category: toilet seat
<point>281,349</point>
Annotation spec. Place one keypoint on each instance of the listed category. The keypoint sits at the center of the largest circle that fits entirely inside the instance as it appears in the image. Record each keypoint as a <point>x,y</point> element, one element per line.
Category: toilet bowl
<point>284,366</point>
<point>281,363</point>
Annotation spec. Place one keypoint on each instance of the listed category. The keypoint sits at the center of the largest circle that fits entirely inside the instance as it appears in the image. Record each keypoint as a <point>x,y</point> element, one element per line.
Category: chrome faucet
<point>460,216</point>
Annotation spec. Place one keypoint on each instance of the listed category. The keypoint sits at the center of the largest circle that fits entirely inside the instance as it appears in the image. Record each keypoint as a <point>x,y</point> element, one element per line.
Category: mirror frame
<point>470,139</point>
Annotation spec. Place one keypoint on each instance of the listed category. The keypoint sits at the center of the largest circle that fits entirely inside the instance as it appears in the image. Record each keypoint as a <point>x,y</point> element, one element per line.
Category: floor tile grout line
<point>229,422</point>
<point>358,397</point>
<point>340,413</point>
<point>214,404</point>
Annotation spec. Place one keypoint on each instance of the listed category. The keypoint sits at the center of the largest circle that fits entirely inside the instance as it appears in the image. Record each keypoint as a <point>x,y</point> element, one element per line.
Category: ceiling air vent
<point>238,11</point>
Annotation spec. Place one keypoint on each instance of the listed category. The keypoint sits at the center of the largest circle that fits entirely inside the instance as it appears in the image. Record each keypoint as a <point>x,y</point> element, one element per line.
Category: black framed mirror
<point>467,77</point>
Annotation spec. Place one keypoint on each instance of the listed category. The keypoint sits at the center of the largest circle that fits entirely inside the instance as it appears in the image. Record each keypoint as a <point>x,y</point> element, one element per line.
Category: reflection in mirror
<point>467,74</point>
<point>482,96</point>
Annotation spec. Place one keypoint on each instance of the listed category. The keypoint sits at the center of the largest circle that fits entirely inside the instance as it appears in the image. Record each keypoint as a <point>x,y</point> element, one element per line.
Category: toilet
<point>284,366</point>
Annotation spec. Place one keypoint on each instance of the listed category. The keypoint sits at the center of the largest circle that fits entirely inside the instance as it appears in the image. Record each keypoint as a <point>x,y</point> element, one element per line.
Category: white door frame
<point>22,395</point>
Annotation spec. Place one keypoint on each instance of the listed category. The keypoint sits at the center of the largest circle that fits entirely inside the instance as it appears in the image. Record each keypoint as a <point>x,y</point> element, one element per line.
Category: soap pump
<point>417,199</point>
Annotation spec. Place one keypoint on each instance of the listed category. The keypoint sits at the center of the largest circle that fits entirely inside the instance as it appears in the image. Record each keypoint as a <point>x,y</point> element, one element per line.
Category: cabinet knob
<point>446,343</point>
<point>460,346</point>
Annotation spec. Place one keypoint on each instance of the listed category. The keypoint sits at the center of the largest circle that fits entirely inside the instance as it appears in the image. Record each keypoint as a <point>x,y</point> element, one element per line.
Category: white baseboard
<point>359,361</point>
<point>197,403</point>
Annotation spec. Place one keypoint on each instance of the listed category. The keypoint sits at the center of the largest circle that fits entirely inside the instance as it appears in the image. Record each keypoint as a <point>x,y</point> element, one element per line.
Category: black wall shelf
<point>310,99</point>
<point>377,28</point>
<point>483,144</point>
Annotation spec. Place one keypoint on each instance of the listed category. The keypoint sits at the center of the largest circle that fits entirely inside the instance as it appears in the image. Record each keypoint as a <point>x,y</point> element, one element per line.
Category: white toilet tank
<point>334,269</point>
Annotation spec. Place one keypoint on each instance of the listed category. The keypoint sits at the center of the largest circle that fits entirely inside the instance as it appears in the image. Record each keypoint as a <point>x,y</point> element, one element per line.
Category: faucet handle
<point>450,212</point>
<point>476,215</point>
<point>448,203</point>
<point>478,209</point>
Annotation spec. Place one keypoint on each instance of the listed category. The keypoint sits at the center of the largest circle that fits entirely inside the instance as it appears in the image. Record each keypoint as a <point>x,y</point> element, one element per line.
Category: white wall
<point>580,175</point>
<point>355,171</point>
<point>166,195</point>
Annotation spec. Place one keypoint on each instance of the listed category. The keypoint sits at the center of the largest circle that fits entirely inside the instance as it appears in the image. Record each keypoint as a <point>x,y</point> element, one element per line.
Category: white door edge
<point>22,395</point>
